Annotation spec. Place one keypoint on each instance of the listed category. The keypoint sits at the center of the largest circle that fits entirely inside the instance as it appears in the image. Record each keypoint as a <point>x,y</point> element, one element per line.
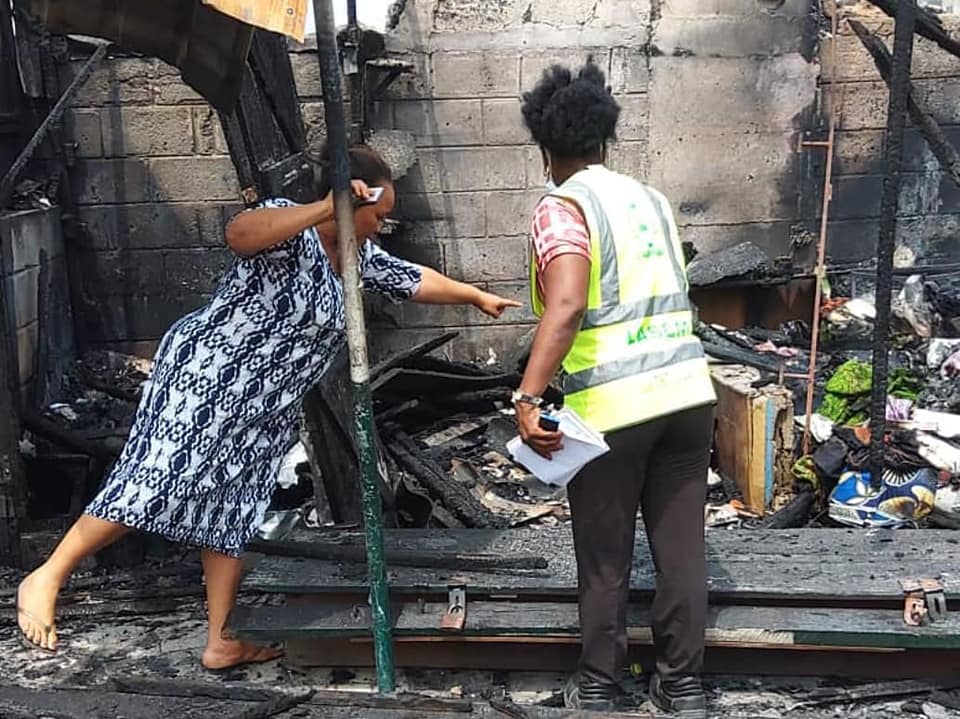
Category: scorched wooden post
<point>356,340</point>
<point>893,151</point>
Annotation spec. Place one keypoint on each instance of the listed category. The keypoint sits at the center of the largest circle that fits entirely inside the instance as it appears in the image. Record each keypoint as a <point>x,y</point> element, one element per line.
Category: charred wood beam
<point>920,113</point>
<point>429,363</point>
<point>66,438</point>
<point>886,243</point>
<point>475,401</point>
<point>6,184</point>
<point>335,552</point>
<point>246,692</point>
<point>140,608</point>
<point>452,494</point>
<point>12,483</point>
<point>794,514</point>
<point>928,25</point>
<point>278,705</point>
<point>401,358</point>
<point>391,413</point>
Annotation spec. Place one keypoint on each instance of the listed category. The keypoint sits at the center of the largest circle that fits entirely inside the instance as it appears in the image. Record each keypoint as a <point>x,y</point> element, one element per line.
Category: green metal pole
<point>356,341</point>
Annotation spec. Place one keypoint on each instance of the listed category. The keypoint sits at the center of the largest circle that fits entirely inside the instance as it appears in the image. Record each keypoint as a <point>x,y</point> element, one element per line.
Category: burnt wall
<point>929,220</point>
<point>716,96</point>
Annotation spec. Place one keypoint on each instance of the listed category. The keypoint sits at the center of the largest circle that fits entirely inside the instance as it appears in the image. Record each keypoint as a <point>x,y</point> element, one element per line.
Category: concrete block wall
<point>716,96</point>
<point>154,185</point>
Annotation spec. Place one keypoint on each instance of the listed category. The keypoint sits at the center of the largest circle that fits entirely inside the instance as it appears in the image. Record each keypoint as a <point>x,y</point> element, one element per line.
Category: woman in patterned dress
<point>222,402</point>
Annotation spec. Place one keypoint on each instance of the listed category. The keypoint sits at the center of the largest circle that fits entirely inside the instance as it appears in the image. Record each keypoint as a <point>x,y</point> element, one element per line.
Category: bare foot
<point>36,609</point>
<point>227,654</point>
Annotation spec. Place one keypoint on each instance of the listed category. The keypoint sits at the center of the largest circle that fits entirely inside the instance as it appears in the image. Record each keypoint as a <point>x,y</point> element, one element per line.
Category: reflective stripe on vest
<point>637,331</point>
<point>629,366</point>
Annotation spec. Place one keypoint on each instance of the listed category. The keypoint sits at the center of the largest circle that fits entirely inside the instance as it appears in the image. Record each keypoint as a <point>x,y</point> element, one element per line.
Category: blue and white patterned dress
<point>223,401</point>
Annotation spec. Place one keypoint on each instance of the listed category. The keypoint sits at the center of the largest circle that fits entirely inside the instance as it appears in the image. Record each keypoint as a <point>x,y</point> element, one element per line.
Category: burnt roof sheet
<point>208,47</point>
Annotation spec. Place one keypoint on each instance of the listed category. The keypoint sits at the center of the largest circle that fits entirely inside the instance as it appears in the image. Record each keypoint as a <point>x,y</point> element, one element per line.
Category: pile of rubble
<point>921,481</point>
<point>443,428</point>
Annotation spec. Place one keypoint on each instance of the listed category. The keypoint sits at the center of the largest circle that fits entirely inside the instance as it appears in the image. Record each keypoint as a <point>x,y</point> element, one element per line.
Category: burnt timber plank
<point>95,702</point>
<point>336,552</point>
<point>726,626</point>
<point>783,566</point>
<point>415,383</point>
<point>561,654</point>
<point>329,412</point>
<point>755,542</point>
<point>399,359</point>
<point>167,687</point>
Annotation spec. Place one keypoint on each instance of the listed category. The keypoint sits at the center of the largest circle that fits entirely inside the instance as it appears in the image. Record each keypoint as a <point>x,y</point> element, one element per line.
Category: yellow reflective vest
<point>635,357</point>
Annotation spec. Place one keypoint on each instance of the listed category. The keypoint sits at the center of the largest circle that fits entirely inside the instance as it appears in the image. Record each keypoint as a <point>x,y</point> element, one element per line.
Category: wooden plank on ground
<point>561,655</point>
<point>722,542</point>
<point>776,566</point>
<point>17,702</point>
<point>152,686</point>
<point>726,626</point>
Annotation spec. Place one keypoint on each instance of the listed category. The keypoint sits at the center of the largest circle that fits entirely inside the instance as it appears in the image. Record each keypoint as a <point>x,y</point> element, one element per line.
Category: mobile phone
<point>548,422</point>
<point>375,194</point>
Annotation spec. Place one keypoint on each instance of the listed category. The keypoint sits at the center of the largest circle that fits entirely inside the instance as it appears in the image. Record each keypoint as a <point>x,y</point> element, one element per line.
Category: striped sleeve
<point>558,229</point>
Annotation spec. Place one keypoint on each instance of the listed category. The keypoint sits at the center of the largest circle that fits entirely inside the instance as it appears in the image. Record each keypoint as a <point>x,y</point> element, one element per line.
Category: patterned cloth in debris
<point>222,404</point>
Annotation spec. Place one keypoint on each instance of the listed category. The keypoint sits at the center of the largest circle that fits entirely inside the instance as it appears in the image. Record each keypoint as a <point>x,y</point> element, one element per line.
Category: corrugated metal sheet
<point>209,48</point>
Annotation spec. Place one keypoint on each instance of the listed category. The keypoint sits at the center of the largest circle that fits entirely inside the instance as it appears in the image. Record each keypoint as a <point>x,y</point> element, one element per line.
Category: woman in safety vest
<point>609,285</point>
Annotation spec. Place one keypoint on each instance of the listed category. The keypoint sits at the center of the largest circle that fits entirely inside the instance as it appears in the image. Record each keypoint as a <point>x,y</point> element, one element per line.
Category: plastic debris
<point>911,307</point>
<point>899,409</point>
<point>287,476</point>
<point>944,424</point>
<point>938,452</point>
<point>726,514</point>
<point>821,428</point>
<point>948,499</point>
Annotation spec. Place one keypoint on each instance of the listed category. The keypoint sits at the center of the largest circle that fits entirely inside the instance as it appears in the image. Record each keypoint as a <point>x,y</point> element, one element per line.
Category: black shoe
<point>590,695</point>
<point>683,697</point>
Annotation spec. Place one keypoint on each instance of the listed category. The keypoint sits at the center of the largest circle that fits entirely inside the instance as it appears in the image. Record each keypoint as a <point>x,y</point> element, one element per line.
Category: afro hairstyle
<point>571,116</point>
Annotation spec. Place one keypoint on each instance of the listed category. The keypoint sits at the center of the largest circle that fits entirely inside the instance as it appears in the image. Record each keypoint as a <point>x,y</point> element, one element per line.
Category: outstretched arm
<point>438,289</point>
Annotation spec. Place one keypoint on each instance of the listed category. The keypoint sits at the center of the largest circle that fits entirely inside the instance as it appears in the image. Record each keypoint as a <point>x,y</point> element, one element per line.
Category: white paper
<point>580,446</point>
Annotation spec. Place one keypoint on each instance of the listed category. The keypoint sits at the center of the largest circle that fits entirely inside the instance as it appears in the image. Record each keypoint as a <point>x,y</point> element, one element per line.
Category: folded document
<point>580,446</point>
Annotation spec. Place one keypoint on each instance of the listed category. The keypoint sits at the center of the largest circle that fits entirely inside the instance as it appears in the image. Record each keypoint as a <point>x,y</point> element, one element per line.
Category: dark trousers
<point>661,467</point>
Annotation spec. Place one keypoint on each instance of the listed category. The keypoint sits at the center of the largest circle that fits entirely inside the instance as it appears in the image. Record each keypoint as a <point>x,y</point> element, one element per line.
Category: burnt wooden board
<point>95,703</point>
<point>561,654</point>
<point>726,626</point>
<point>803,566</point>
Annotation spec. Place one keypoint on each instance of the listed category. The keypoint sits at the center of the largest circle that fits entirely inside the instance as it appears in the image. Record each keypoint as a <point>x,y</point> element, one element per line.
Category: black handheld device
<point>548,422</point>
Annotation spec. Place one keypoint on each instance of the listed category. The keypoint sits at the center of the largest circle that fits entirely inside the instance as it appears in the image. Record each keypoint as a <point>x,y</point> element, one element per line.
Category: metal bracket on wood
<point>455,617</point>
<point>391,68</point>
<point>924,601</point>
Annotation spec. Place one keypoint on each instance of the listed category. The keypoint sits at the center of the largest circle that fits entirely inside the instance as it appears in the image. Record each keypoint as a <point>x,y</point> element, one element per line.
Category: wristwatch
<point>518,397</point>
